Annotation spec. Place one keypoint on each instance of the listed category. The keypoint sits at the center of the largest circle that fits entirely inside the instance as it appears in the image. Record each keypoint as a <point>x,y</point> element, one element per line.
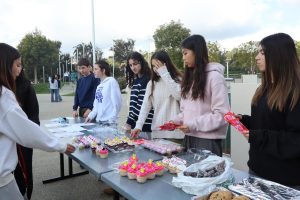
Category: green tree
<point>38,51</point>
<point>216,53</point>
<point>169,37</point>
<point>122,49</point>
<point>243,57</point>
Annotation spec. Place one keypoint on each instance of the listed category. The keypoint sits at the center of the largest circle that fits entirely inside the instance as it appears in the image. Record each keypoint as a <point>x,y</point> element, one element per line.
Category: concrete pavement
<point>46,165</point>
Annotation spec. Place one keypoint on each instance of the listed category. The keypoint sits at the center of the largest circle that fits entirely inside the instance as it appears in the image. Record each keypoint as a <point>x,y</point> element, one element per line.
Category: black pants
<point>25,158</point>
<point>213,145</point>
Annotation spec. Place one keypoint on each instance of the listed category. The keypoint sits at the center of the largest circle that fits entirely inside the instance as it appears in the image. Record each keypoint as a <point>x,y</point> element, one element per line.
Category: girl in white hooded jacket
<point>108,101</point>
<point>15,127</point>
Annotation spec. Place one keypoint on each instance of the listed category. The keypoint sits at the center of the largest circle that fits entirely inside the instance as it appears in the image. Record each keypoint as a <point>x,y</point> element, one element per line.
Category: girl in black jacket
<point>274,123</point>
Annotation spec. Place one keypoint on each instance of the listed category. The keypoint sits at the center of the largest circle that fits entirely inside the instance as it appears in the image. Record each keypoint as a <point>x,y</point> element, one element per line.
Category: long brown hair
<point>281,78</point>
<point>164,58</point>
<point>8,55</point>
<point>195,78</point>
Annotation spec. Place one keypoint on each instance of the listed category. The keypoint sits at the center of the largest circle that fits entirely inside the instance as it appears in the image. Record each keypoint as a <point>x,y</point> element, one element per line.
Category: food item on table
<point>94,147</point>
<point>242,197</point>
<point>257,188</point>
<point>168,126</point>
<point>231,118</point>
<point>123,168</point>
<point>214,171</point>
<point>221,195</point>
<point>133,158</point>
<point>103,153</point>
<point>162,147</point>
<point>131,171</point>
<point>150,168</point>
<point>119,144</point>
<point>141,175</point>
<point>81,146</point>
<point>159,168</point>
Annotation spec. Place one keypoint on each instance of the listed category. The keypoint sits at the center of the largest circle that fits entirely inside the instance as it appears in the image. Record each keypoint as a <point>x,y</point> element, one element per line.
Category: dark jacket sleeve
<point>76,100</point>
<point>31,105</point>
<point>282,144</point>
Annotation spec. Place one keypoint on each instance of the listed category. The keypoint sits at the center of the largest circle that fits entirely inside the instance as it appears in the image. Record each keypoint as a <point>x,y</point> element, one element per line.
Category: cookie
<point>221,195</point>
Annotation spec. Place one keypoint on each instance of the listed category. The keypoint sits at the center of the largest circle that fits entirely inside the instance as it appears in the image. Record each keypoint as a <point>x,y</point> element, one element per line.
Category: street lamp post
<point>93,32</point>
<point>59,71</point>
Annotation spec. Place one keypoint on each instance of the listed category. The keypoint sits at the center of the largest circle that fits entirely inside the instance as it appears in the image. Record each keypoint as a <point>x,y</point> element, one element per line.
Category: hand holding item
<point>246,135</point>
<point>234,120</point>
<point>75,113</point>
<point>70,149</point>
<point>184,128</point>
<point>135,133</point>
<point>169,126</point>
<point>127,127</point>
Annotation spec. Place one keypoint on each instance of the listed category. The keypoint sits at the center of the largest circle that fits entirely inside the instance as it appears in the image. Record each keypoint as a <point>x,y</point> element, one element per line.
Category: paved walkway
<point>46,165</point>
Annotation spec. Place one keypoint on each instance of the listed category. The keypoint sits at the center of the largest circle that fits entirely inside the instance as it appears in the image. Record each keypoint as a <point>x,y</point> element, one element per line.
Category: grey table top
<point>98,166</point>
<point>158,188</point>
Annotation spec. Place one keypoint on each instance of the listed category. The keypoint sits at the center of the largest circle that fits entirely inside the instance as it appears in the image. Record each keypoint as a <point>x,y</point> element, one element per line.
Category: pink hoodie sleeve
<point>178,119</point>
<point>213,120</point>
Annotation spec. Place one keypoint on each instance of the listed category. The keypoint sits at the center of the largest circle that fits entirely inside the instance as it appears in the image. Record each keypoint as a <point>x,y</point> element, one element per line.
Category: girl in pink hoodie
<point>204,98</point>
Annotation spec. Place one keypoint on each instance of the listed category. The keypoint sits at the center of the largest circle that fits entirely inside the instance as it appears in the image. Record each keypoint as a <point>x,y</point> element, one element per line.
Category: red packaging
<point>168,126</point>
<point>235,122</point>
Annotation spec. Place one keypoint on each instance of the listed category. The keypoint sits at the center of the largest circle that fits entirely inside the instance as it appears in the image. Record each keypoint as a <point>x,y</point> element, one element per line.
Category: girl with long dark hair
<point>204,98</point>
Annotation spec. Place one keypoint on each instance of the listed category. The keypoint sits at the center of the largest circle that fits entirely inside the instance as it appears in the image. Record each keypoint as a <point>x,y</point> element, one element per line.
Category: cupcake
<point>141,175</point>
<point>81,146</point>
<point>131,171</point>
<point>150,168</point>
<point>133,158</point>
<point>123,168</point>
<point>159,168</point>
<point>103,153</point>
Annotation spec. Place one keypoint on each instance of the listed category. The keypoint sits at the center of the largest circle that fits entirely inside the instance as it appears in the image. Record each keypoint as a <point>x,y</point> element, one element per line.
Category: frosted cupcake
<point>133,158</point>
<point>131,171</point>
<point>123,168</point>
<point>150,168</point>
<point>141,175</point>
<point>103,153</point>
<point>159,168</point>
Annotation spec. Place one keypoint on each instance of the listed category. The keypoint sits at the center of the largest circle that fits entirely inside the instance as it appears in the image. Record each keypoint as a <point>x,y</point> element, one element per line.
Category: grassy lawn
<point>41,88</point>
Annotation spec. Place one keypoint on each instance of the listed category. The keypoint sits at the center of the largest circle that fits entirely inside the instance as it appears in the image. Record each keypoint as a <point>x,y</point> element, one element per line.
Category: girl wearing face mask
<point>163,95</point>
<point>108,101</point>
<point>138,75</point>
<point>204,98</point>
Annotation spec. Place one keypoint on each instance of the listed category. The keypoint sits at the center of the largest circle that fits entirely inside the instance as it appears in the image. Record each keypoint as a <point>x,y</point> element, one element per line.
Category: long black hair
<point>195,77</point>
<point>145,70</point>
<point>8,55</point>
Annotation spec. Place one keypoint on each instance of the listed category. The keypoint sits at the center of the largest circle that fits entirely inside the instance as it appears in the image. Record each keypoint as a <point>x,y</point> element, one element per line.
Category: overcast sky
<point>230,22</point>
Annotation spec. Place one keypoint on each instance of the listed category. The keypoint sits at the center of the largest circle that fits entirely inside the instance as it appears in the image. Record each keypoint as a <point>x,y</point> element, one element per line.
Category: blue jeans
<point>54,95</point>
